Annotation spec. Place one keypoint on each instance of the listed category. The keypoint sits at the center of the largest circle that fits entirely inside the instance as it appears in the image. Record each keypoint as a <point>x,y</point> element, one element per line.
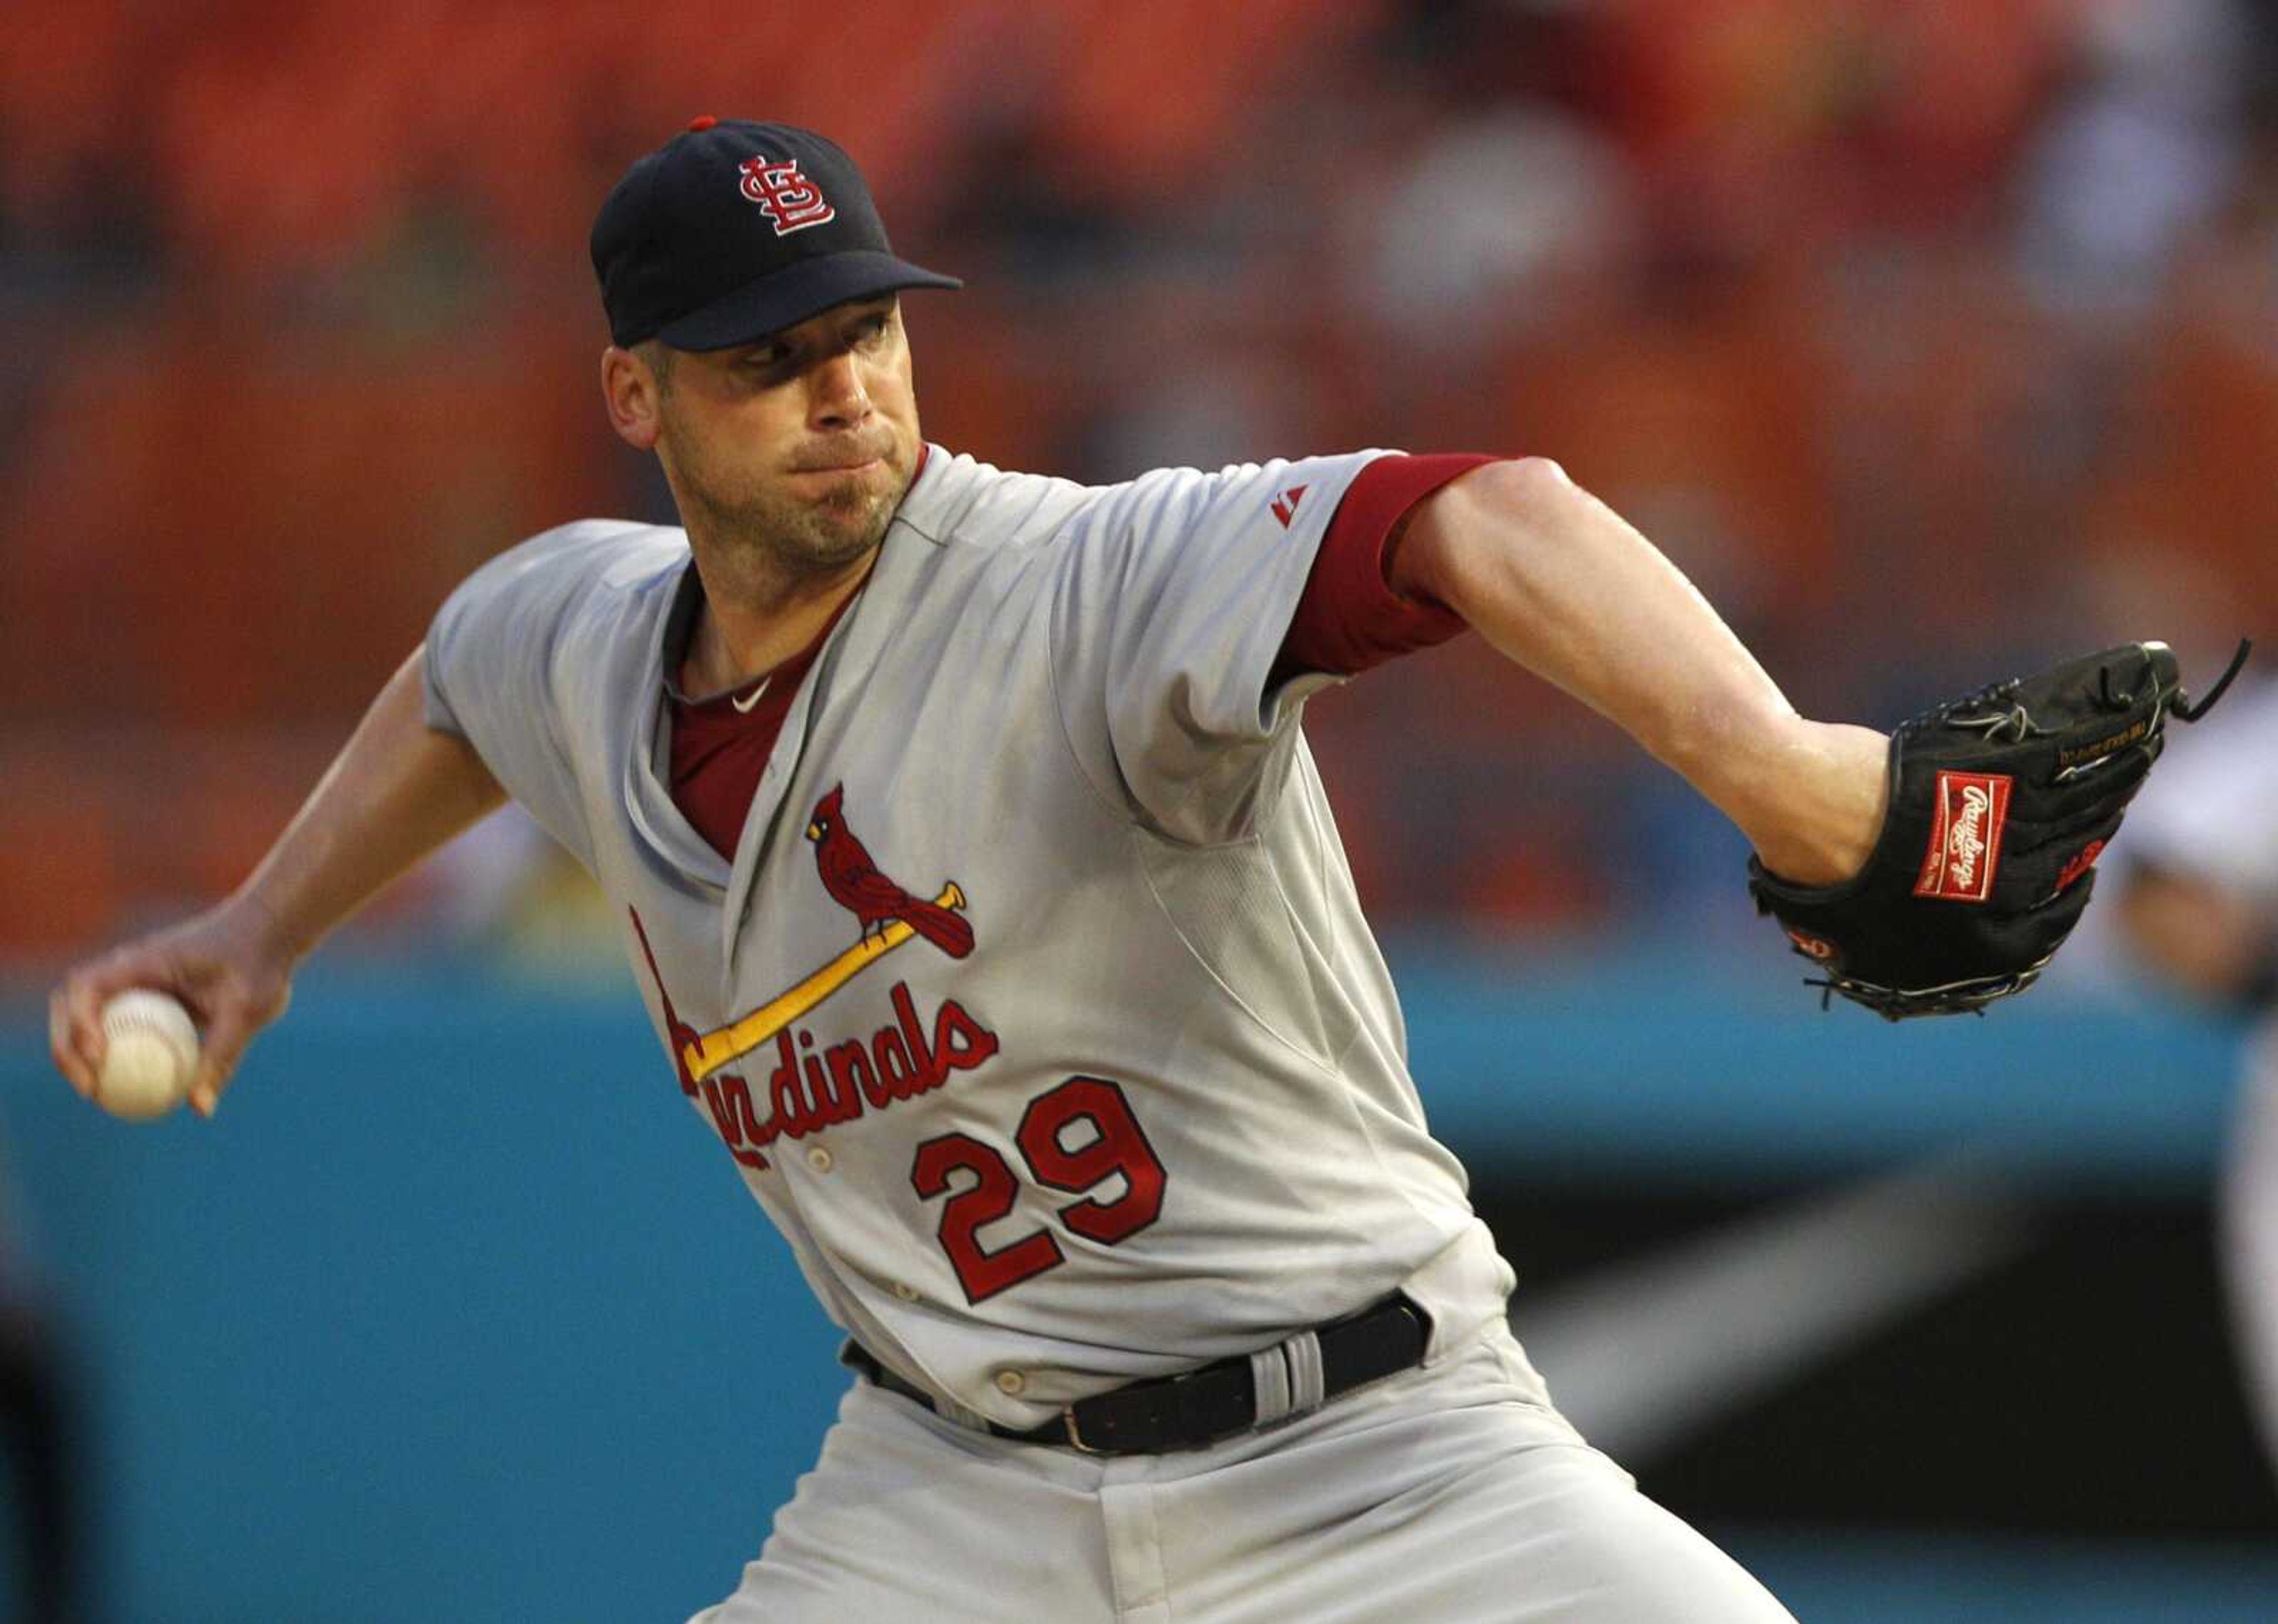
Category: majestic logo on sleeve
<point>808,1090</point>
<point>785,195</point>
<point>1965,836</point>
<point>1285,506</point>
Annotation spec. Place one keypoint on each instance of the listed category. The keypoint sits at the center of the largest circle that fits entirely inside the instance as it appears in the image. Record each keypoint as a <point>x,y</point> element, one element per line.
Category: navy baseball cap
<point>732,230</point>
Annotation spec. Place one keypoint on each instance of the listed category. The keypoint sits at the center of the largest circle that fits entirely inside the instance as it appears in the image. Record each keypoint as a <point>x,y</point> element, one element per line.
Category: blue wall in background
<point>457,1311</point>
<point>453,1312</point>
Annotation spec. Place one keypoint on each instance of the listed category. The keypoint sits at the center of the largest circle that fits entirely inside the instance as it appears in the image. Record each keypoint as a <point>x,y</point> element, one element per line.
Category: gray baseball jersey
<point>1036,1007</point>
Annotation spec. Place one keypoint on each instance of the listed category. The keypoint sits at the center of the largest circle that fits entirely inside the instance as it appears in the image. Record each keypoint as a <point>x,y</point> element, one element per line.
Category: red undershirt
<point>1346,620</point>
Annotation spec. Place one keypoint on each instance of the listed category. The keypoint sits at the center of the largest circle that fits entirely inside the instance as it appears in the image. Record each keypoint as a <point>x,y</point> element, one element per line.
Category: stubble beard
<point>774,533</point>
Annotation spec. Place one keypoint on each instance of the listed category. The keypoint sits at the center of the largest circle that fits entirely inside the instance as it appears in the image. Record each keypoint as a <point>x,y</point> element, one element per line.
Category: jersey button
<point>904,1290</point>
<point>818,1158</point>
<point>1011,1383</point>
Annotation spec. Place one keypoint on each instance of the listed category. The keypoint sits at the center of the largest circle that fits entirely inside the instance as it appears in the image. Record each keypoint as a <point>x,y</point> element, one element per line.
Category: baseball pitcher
<point>988,908</point>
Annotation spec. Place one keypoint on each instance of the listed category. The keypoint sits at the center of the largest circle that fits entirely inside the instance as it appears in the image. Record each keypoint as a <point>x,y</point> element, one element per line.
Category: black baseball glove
<point>2000,804</point>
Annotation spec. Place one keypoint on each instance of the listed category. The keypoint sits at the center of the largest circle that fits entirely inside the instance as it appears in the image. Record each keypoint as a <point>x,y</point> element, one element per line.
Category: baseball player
<point>988,905</point>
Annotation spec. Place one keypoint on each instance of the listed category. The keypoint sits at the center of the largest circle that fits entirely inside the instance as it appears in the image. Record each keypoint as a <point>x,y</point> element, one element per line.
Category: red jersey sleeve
<point>1349,619</point>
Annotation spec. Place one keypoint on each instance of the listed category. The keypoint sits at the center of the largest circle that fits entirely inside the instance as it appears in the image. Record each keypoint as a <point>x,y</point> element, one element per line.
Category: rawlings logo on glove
<point>2001,802</point>
<point>1964,841</point>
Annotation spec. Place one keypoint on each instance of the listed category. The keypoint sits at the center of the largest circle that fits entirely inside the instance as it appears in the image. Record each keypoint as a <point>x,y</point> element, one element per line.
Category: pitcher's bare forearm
<point>1562,585</point>
<point>396,791</point>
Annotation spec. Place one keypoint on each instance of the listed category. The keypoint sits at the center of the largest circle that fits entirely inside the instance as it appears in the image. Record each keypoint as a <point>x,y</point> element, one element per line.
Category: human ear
<point>630,393</point>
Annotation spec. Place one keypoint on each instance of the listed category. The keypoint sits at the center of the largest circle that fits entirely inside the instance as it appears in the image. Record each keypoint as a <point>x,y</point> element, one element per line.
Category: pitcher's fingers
<point>85,991</point>
<point>220,1049</point>
<point>64,1047</point>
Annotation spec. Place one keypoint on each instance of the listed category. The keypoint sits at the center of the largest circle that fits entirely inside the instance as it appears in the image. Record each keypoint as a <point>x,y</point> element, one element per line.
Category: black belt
<point>1213,1401</point>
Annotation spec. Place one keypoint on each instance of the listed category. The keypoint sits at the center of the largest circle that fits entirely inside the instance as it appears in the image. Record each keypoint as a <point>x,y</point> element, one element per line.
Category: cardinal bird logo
<point>856,885</point>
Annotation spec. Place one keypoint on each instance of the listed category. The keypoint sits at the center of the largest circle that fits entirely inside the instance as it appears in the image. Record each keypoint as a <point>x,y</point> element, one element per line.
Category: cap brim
<point>788,296</point>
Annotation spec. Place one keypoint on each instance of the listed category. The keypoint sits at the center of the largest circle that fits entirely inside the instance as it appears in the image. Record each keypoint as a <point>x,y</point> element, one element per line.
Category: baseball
<point>150,1052</point>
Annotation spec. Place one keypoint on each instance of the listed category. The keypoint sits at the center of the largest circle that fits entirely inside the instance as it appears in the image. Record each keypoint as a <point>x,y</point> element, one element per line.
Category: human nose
<point>835,393</point>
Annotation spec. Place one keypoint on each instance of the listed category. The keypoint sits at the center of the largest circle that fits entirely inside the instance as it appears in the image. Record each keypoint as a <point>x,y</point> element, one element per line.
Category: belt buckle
<point>1076,1434</point>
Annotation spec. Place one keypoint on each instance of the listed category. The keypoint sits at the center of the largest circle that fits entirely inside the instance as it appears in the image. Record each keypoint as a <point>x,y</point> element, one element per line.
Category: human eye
<point>765,362</point>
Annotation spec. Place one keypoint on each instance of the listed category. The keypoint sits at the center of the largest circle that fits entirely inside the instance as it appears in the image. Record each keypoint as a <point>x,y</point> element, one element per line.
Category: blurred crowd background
<point>1932,340</point>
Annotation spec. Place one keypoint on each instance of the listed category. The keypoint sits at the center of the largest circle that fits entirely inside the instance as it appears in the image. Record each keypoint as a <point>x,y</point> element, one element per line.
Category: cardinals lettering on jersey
<point>807,1092</point>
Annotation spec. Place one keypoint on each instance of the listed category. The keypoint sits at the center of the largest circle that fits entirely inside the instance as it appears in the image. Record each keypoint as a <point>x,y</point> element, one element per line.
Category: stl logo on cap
<point>789,198</point>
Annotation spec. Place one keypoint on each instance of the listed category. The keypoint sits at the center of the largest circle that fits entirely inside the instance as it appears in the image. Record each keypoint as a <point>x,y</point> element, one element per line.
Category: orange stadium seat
<point>65,76</point>
<point>296,135</point>
<point>2191,483</point>
<point>60,884</point>
<point>313,496</point>
<point>1701,424</point>
<point>1146,93</point>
